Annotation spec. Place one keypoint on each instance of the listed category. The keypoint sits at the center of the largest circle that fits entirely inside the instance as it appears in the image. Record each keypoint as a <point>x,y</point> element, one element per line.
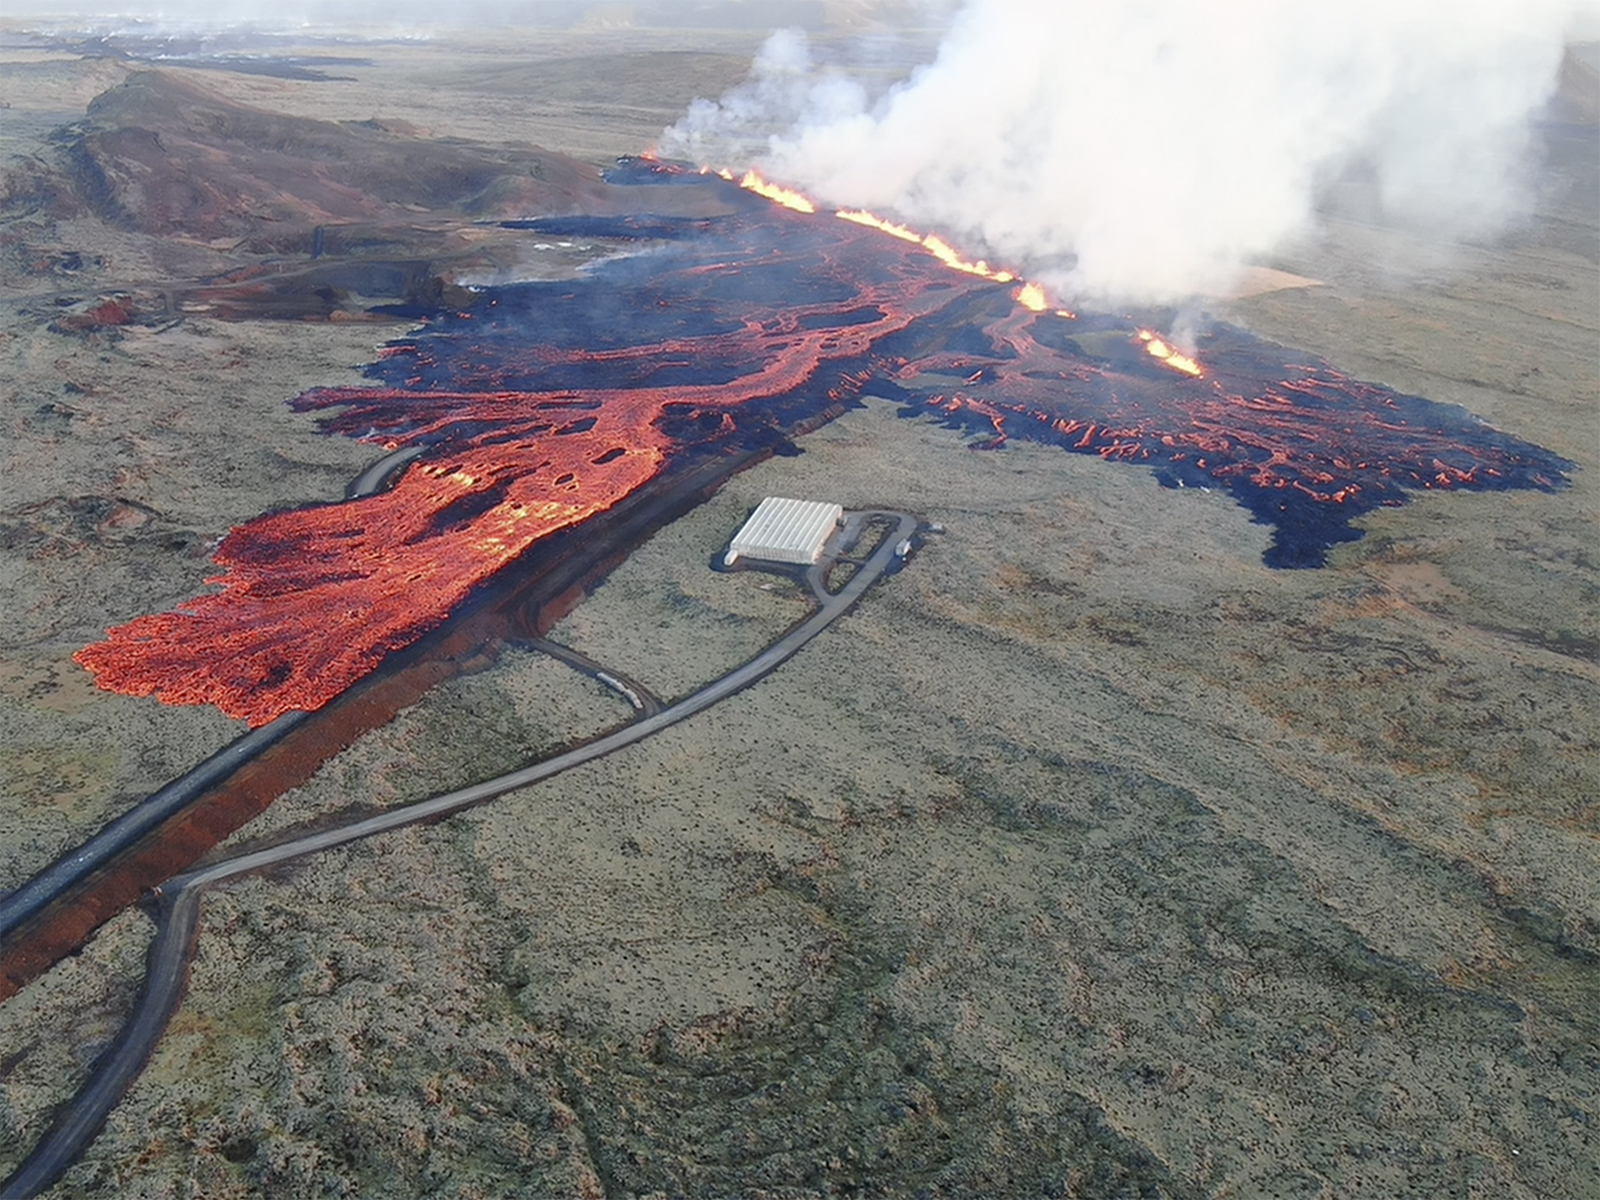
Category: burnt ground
<point>1089,857</point>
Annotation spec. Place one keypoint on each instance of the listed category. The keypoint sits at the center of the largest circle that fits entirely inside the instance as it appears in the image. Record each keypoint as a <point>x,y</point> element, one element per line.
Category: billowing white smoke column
<point>1143,151</point>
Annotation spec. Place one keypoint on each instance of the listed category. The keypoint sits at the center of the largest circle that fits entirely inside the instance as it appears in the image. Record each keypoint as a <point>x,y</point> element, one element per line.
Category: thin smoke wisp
<point>1144,152</point>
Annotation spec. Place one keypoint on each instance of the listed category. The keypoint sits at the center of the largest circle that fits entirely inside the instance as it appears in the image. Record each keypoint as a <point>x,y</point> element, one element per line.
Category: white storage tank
<point>785,531</point>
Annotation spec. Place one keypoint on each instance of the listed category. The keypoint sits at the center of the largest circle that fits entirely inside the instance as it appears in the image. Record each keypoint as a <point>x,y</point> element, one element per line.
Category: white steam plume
<point>1143,151</point>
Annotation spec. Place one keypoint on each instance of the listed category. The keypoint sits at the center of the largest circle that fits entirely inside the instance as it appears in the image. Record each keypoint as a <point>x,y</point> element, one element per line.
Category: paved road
<point>76,865</point>
<point>167,969</point>
<point>381,474</point>
<point>639,697</point>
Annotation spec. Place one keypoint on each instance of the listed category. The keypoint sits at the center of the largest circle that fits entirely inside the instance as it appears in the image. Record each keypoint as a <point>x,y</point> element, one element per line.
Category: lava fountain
<point>544,404</point>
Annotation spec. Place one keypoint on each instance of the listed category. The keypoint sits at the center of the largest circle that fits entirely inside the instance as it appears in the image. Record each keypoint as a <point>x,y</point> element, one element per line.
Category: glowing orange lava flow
<point>861,216</point>
<point>1031,297</point>
<point>1159,350</point>
<point>780,195</point>
<point>255,654</point>
<point>931,242</point>
<point>312,599</point>
<point>546,404</point>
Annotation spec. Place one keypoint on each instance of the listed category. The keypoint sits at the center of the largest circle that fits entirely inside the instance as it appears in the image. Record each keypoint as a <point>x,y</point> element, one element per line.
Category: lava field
<point>541,405</point>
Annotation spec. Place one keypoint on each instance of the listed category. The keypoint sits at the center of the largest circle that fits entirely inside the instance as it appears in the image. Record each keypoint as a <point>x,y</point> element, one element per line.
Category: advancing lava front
<point>547,403</point>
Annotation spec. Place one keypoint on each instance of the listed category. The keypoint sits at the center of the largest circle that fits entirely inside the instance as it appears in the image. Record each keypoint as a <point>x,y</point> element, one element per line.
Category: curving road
<point>179,899</point>
<point>66,872</point>
<point>73,867</point>
<point>640,698</point>
<point>381,475</point>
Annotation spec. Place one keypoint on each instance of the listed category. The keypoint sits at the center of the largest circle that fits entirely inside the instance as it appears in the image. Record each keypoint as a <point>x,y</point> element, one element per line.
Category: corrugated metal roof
<point>783,530</point>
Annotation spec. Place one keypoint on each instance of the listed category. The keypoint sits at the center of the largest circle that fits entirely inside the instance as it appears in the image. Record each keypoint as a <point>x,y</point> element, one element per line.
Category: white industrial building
<point>785,531</point>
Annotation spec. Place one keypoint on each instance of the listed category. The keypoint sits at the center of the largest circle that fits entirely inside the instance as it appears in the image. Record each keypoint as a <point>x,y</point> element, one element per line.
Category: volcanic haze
<point>1146,152</point>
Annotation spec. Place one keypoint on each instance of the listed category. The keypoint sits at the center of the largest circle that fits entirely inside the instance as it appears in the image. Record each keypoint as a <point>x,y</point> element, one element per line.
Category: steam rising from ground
<point>1144,151</point>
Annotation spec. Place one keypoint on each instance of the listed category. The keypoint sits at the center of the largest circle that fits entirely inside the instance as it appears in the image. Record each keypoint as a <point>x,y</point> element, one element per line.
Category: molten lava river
<point>544,404</point>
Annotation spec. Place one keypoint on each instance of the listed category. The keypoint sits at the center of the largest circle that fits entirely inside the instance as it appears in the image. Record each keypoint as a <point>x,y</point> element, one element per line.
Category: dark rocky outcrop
<point>161,154</point>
